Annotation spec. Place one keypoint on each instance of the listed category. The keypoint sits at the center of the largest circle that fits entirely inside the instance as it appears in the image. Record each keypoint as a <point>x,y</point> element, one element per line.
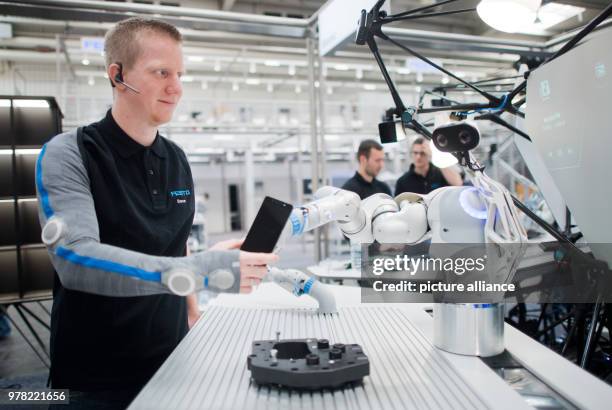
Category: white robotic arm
<point>298,283</point>
<point>331,204</point>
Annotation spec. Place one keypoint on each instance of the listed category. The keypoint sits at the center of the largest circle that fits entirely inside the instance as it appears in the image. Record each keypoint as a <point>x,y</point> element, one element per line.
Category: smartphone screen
<point>268,226</point>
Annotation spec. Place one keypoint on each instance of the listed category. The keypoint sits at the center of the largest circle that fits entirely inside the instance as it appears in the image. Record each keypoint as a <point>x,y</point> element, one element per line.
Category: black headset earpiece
<point>119,79</point>
<point>119,75</point>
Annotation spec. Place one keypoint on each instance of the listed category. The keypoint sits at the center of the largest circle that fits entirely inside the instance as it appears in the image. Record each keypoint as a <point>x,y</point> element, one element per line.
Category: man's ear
<point>112,71</point>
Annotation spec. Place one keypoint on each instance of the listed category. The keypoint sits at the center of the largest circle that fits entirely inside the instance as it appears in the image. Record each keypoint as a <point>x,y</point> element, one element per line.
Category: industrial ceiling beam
<point>200,19</point>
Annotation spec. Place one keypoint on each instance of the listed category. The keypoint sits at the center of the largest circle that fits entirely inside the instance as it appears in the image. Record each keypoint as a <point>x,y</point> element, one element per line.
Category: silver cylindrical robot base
<point>469,328</point>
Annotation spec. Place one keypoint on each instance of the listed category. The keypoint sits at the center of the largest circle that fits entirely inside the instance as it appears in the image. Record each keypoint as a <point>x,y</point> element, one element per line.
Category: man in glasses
<point>371,161</point>
<point>423,176</point>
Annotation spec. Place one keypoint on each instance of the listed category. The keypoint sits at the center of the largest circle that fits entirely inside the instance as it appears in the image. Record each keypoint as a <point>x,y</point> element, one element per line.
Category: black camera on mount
<point>456,137</point>
<point>393,127</point>
<point>387,130</point>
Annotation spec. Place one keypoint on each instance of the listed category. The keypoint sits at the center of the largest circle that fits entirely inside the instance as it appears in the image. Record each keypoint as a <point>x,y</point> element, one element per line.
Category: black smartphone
<point>268,226</point>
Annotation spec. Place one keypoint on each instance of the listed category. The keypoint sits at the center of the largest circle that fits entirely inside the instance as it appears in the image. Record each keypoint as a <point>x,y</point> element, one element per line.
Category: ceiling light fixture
<point>508,15</point>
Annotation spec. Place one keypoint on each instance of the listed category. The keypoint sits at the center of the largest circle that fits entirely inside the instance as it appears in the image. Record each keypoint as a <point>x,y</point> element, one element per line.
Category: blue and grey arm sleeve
<point>71,234</point>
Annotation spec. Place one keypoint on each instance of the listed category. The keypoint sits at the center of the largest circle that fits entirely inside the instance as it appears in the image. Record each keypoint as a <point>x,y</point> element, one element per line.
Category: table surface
<point>208,369</point>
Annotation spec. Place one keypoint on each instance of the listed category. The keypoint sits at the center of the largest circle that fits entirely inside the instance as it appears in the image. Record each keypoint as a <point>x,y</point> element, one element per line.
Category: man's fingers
<point>256,258</point>
<point>256,272</point>
<point>227,244</point>
<point>235,243</point>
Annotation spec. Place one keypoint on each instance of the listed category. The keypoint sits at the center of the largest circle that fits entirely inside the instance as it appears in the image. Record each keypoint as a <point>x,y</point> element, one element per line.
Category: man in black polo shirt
<point>116,205</point>
<point>371,161</point>
<point>423,176</point>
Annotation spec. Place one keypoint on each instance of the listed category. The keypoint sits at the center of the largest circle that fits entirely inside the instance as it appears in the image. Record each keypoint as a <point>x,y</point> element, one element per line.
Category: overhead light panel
<point>291,69</point>
<point>195,59</point>
<point>272,63</point>
<point>549,15</point>
<point>217,66</point>
<point>223,137</point>
<point>85,61</point>
<point>403,70</point>
<point>29,103</point>
<point>253,81</point>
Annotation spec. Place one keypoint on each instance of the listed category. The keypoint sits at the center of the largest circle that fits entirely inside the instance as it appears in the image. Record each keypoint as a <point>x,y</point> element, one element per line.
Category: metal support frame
<point>314,140</point>
<point>320,79</point>
<point>42,353</point>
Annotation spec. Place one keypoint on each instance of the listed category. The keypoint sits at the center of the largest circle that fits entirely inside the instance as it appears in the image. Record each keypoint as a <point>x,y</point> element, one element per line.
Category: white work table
<point>208,370</point>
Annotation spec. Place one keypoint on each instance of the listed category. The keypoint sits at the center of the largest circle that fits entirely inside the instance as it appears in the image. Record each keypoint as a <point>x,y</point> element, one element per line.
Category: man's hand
<point>227,245</point>
<point>193,310</point>
<point>253,267</point>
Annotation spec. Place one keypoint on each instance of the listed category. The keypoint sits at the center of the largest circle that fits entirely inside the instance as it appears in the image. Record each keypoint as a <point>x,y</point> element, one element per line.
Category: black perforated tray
<point>309,364</point>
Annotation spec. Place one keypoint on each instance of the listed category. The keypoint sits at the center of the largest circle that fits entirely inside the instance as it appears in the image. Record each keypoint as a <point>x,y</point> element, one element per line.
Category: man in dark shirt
<point>371,161</point>
<point>116,202</point>
<point>423,176</point>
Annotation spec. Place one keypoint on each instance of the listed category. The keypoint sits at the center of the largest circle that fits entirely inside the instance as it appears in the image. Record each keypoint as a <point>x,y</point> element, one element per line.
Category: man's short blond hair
<point>121,43</point>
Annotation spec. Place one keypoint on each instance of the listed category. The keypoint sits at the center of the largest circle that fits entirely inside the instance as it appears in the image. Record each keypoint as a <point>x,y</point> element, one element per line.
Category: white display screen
<point>569,119</point>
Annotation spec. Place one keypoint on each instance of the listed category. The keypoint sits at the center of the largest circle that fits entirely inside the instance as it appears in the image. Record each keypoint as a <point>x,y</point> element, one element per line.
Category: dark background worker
<point>423,176</point>
<point>371,159</point>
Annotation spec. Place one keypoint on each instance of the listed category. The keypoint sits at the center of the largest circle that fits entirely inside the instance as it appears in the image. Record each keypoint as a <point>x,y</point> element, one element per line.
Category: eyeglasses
<point>419,153</point>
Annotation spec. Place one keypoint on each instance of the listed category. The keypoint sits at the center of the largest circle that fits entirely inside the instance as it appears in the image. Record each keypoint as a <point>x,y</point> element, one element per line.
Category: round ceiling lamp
<point>508,15</point>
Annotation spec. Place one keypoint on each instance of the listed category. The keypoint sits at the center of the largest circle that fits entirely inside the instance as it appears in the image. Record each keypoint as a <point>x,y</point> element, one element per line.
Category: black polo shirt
<point>144,202</point>
<point>364,188</point>
<point>413,182</point>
